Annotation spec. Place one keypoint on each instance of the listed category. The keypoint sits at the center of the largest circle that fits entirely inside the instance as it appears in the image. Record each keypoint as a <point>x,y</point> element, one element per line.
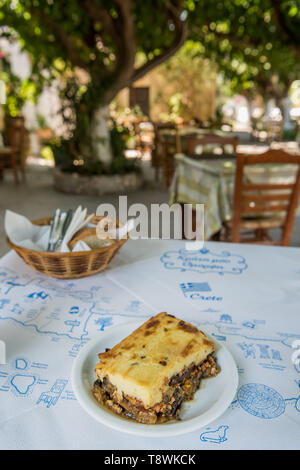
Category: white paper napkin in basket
<point>23,233</point>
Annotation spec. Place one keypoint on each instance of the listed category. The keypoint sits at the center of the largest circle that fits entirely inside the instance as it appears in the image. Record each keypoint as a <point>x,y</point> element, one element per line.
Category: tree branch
<point>61,36</point>
<point>122,33</point>
<point>126,31</point>
<point>288,35</point>
<point>180,38</point>
<point>126,48</point>
<point>280,20</point>
<point>110,26</point>
<point>98,13</point>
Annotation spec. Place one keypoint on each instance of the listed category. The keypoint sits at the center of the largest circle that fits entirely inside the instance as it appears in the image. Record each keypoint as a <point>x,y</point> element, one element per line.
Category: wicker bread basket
<point>68,265</point>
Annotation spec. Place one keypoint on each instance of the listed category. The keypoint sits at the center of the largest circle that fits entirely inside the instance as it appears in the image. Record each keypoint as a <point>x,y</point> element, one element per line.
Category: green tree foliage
<point>92,46</point>
<point>18,91</point>
<point>172,98</point>
<point>255,43</point>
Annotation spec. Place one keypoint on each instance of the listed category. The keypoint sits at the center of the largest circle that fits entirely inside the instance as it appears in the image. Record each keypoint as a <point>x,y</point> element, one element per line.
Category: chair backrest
<point>266,198</point>
<point>160,127</point>
<point>194,142</point>
<point>166,146</point>
<point>15,133</point>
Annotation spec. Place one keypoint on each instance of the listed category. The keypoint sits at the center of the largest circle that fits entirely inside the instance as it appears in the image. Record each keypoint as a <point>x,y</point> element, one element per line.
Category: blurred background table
<point>209,179</point>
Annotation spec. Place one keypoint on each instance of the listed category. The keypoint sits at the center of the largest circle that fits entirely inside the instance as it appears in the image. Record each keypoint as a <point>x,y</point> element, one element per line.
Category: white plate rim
<point>103,416</point>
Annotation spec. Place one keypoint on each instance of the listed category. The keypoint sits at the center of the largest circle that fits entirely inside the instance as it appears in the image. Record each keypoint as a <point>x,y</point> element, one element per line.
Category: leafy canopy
<point>98,47</point>
<point>255,43</point>
<point>251,40</point>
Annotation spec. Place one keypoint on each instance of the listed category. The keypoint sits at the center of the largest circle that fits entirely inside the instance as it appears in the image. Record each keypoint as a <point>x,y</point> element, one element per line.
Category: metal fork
<point>53,230</point>
<point>64,228</point>
<point>58,228</point>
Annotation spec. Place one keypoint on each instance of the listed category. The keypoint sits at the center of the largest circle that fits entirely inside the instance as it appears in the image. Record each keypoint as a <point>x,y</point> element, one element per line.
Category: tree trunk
<point>101,136</point>
<point>285,109</point>
<point>250,106</point>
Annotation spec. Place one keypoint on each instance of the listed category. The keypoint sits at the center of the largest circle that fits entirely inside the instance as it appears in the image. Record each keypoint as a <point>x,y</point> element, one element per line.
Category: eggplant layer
<point>181,387</point>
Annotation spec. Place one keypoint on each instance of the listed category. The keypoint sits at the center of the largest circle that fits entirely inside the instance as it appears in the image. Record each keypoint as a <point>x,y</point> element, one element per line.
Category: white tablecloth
<point>245,296</point>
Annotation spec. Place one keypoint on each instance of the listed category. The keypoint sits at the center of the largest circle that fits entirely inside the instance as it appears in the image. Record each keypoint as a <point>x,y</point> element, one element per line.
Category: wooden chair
<point>271,205</point>
<point>164,150</point>
<point>11,156</point>
<point>222,141</point>
<point>143,131</point>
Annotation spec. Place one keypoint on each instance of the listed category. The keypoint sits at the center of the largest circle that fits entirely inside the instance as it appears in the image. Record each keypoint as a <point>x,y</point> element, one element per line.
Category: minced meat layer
<point>182,387</point>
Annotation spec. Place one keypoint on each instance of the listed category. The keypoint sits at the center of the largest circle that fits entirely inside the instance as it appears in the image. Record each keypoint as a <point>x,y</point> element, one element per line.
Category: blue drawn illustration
<point>23,384</point>
<point>219,337</point>
<point>264,402</point>
<point>74,310</point>
<point>225,326</point>
<point>264,351</point>
<point>103,322</point>
<point>17,309</point>
<point>270,366</point>
<point>216,437</point>
<point>58,320</point>
<point>38,295</point>
<point>22,379</point>
<point>76,348</point>
<point>204,261</point>
<point>276,355</point>
<point>198,291</point>
<point>11,285</point>
<point>4,302</point>
<point>210,310</point>
<point>294,403</point>
<point>52,397</point>
<point>73,324</point>
<point>297,368</point>
<point>54,308</point>
<point>188,287</point>
<point>261,401</point>
<point>248,349</point>
<point>69,395</point>
<point>248,324</point>
<point>21,363</point>
<point>251,350</point>
<point>68,289</point>
<point>225,318</point>
<point>32,313</point>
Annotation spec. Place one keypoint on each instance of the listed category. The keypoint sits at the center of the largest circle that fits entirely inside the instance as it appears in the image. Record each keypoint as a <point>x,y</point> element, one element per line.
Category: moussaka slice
<point>149,374</point>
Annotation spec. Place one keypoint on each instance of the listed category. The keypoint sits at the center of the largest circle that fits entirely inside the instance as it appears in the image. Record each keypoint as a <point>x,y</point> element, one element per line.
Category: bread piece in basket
<point>89,236</point>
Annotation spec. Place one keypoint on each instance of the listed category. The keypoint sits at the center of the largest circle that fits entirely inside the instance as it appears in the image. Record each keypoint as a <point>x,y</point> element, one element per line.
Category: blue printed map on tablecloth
<point>66,315</point>
<point>204,261</point>
<point>59,308</point>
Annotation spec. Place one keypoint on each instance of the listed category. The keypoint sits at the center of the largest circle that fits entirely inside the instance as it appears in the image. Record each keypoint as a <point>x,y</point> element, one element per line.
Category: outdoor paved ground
<point>37,198</point>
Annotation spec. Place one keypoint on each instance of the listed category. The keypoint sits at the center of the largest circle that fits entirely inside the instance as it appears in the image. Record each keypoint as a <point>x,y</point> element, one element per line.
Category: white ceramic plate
<point>210,401</point>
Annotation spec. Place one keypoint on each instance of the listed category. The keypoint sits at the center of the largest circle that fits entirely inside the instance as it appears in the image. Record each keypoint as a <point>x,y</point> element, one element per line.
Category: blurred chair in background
<point>215,140</point>
<point>12,154</point>
<point>261,207</point>
<point>166,144</point>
